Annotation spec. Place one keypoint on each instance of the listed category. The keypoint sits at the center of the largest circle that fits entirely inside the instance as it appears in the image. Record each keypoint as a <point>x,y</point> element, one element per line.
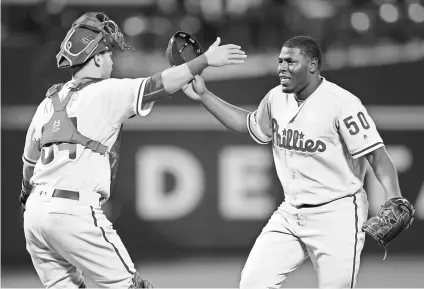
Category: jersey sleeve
<point>259,122</point>
<point>126,98</point>
<point>358,129</point>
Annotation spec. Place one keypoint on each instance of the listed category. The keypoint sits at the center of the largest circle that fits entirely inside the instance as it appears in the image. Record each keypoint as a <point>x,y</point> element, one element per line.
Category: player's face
<point>107,65</point>
<point>293,69</point>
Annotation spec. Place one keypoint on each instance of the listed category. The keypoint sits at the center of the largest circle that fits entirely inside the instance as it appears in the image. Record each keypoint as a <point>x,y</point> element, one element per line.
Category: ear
<point>97,60</point>
<point>313,65</point>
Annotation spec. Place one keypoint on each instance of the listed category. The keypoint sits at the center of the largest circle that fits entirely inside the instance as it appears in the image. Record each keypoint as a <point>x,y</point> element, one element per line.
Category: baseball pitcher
<point>72,150</point>
<point>322,140</point>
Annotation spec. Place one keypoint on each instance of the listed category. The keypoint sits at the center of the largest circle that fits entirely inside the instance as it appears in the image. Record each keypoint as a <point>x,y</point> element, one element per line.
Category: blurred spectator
<point>258,25</point>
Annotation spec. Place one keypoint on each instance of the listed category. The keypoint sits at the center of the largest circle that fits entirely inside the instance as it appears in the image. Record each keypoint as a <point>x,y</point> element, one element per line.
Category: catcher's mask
<point>89,35</point>
<point>182,47</point>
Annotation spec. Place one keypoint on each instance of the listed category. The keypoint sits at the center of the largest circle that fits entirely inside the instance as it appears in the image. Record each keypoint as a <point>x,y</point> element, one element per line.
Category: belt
<point>65,194</point>
<point>319,205</point>
<point>312,206</point>
<point>87,197</point>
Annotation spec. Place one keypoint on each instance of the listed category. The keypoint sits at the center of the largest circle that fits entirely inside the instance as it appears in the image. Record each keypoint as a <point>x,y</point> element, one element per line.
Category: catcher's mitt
<point>394,217</point>
<point>182,47</point>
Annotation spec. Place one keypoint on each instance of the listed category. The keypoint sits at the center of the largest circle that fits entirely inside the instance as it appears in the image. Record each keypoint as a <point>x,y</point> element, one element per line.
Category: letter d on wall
<point>152,201</point>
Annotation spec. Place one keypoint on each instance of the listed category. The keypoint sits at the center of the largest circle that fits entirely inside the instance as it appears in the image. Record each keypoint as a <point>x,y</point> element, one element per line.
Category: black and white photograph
<point>212,144</point>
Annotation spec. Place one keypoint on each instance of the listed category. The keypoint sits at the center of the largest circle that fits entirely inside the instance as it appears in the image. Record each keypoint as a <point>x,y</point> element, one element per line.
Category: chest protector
<point>60,128</point>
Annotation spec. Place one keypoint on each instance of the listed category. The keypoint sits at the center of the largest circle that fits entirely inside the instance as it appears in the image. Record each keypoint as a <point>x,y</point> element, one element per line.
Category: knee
<point>250,282</point>
<point>245,279</point>
<point>337,280</point>
<point>244,284</point>
<point>260,279</point>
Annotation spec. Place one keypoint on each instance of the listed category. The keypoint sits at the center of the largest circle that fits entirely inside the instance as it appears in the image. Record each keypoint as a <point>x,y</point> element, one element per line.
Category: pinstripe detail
<point>117,252</point>
<point>113,245</point>
<point>356,241</point>
<point>94,217</point>
<point>249,128</point>
<point>367,148</point>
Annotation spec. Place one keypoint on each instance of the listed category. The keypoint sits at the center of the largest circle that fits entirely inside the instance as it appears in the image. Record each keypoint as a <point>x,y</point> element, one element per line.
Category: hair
<point>75,69</point>
<point>307,45</point>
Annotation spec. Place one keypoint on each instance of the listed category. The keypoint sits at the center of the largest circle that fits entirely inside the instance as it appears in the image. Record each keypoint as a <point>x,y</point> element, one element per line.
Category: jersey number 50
<point>352,126</point>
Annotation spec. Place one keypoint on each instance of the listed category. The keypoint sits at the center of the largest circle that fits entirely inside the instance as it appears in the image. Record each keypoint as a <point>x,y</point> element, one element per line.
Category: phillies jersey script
<point>317,145</point>
<point>98,111</point>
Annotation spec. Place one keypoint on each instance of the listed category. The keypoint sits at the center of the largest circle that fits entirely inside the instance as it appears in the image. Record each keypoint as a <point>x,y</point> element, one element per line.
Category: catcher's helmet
<point>90,34</point>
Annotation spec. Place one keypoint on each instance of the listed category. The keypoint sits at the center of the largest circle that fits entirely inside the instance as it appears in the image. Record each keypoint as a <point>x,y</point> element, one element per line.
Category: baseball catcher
<point>394,217</point>
<point>71,153</point>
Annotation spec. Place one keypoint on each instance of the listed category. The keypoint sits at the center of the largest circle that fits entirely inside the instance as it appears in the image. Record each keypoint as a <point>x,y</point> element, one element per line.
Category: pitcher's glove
<point>26,189</point>
<point>394,217</point>
<point>182,47</point>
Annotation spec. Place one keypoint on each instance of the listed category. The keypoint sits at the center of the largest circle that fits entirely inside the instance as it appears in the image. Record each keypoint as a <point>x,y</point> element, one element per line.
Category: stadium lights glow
<point>416,12</point>
<point>134,25</point>
<point>389,13</point>
<point>360,21</point>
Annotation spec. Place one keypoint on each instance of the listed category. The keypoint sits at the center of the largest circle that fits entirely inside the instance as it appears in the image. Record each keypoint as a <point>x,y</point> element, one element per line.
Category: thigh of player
<point>88,241</point>
<point>335,250</point>
<point>53,270</point>
<point>275,254</point>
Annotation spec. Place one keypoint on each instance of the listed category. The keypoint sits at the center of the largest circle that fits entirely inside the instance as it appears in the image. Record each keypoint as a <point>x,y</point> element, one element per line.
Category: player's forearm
<point>231,116</point>
<point>385,171</point>
<point>27,172</point>
<point>175,77</point>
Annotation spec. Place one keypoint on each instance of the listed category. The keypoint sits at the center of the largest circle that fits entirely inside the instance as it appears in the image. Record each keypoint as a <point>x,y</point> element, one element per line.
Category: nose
<point>283,66</point>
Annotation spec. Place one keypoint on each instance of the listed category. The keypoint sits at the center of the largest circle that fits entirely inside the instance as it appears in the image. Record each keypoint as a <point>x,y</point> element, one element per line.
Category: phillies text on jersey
<point>317,145</point>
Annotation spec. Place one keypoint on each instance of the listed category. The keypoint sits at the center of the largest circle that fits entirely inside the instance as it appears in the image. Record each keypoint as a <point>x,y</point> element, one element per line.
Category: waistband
<point>82,197</point>
<point>301,206</point>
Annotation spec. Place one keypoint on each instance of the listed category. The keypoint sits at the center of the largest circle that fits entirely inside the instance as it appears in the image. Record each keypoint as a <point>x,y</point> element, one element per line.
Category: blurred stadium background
<point>191,197</point>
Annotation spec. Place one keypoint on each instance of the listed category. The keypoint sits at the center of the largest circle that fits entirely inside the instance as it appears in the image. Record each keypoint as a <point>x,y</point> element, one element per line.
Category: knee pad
<point>137,282</point>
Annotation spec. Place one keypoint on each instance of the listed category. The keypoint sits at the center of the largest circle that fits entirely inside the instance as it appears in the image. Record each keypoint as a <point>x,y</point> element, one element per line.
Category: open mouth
<point>284,79</point>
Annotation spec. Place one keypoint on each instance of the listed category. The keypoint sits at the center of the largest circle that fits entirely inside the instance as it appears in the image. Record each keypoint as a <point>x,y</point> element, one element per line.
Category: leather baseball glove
<point>182,47</point>
<point>394,217</point>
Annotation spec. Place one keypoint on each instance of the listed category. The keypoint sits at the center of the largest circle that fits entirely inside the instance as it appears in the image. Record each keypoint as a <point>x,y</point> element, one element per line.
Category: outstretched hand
<point>195,89</point>
<point>224,54</point>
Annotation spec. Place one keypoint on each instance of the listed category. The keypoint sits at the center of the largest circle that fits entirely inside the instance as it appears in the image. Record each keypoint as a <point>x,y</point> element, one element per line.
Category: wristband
<point>197,65</point>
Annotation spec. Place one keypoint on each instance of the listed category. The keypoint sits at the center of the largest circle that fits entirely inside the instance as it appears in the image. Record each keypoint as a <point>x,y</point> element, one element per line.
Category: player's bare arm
<point>29,158</point>
<point>172,79</point>
<point>231,116</point>
<point>175,77</point>
<point>385,171</point>
<point>397,213</point>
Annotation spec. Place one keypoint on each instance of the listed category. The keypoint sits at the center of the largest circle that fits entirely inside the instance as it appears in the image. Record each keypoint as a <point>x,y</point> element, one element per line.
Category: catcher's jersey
<point>317,145</point>
<point>99,110</point>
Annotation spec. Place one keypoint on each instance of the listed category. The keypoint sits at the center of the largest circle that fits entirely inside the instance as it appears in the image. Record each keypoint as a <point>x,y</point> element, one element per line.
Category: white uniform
<point>66,237</point>
<point>318,148</point>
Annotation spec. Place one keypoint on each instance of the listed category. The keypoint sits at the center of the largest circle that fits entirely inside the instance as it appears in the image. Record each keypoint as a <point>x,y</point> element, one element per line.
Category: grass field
<point>394,272</point>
